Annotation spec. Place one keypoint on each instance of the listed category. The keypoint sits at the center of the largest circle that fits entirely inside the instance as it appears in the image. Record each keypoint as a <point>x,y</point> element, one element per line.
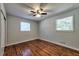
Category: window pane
<point>65,24</point>
<point>24,26</point>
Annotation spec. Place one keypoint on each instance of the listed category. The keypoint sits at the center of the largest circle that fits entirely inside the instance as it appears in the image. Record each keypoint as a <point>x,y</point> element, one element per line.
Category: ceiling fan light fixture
<point>38,15</point>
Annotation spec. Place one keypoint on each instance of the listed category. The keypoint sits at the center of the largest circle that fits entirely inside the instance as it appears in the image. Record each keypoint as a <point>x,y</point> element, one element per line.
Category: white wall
<point>48,30</point>
<point>15,35</point>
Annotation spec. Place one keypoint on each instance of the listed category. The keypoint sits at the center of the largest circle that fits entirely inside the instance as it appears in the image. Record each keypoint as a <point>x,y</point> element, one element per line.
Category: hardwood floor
<point>39,48</point>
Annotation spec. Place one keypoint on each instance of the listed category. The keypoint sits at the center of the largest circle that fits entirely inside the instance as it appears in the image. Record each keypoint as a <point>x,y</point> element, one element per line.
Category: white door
<point>2,31</point>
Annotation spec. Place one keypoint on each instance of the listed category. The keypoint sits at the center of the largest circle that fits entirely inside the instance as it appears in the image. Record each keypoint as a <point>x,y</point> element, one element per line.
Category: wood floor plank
<point>39,48</point>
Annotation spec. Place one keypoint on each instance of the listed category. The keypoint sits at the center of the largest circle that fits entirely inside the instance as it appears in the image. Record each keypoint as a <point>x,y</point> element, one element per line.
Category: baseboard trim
<point>73,48</point>
<point>46,40</point>
<point>21,41</point>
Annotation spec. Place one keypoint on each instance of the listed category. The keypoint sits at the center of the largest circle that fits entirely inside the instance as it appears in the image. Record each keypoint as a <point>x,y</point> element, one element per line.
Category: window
<point>24,26</point>
<point>65,24</point>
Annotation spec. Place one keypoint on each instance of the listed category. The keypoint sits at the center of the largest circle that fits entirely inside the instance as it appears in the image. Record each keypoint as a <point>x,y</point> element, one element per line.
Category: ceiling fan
<point>38,12</point>
<point>37,9</point>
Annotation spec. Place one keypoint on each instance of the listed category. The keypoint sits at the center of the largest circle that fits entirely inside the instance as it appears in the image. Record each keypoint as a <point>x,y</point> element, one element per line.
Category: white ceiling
<point>22,10</point>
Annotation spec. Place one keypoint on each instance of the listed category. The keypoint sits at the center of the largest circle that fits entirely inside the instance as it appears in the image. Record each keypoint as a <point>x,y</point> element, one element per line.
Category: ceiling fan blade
<point>34,15</point>
<point>43,6</point>
<point>33,11</point>
<point>43,13</point>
